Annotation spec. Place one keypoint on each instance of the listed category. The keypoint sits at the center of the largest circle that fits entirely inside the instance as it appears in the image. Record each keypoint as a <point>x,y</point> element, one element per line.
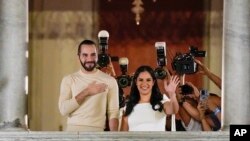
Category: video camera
<point>184,63</point>
<point>160,73</point>
<point>124,80</point>
<point>103,57</point>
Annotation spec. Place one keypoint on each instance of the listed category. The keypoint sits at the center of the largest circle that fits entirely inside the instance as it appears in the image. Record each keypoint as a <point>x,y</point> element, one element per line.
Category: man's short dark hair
<point>85,42</point>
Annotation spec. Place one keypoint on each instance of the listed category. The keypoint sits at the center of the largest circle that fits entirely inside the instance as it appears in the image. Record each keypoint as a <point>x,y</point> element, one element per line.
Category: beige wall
<point>53,54</point>
<point>213,43</point>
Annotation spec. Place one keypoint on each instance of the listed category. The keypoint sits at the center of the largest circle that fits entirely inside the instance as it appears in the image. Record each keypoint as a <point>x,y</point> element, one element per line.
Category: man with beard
<point>88,95</point>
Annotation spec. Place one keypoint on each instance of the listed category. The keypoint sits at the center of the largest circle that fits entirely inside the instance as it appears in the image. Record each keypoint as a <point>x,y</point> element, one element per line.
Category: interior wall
<point>178,23</point>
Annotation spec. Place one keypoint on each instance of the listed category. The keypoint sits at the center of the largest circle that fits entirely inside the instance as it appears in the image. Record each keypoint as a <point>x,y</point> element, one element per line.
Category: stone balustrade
<point>117,136</point>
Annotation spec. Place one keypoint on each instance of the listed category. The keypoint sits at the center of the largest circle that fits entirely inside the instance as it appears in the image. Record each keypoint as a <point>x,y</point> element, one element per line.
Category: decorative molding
<point>61,24</point>
<point>137,9</point>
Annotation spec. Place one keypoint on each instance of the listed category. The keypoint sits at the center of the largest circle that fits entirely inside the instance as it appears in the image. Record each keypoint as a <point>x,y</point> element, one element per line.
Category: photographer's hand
<point>210,75</point>
<point>201,67</point>
<point>109,69</point>
<point>196,91</point>
<point>201,108</point>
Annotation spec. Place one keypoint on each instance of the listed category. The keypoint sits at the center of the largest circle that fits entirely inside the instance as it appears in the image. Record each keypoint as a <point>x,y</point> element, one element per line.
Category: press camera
<point>186,89</point>
<point>124,80</point>
<point>184,63</point>
<point>103,57</point>
<point>160,73</point>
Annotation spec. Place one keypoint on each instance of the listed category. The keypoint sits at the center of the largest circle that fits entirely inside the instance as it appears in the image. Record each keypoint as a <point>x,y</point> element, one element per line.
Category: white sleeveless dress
<point>144,118</point>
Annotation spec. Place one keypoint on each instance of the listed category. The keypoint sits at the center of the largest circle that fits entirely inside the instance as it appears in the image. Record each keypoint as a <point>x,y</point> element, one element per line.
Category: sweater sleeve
<point>113,100</point>
<point>67,103</point>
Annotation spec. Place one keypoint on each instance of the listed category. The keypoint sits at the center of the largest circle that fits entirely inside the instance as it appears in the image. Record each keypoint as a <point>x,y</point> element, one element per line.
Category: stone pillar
<point>13,63</point>
<point>236,66</point>
<point>214,50</point>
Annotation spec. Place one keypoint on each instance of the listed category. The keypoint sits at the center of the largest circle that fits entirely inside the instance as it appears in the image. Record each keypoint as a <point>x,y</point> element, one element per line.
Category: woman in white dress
<point>147,108</point>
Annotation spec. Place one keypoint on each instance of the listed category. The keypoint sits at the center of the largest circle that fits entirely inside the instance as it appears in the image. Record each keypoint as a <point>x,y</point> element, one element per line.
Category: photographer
<point>208,111</point>
<point>188,101</point>
<point>124,80</point>
<point>210,114</point>
<point>161,70</point>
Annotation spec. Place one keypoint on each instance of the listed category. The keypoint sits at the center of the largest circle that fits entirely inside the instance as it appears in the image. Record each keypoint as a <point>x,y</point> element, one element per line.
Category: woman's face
<point>144,83</point>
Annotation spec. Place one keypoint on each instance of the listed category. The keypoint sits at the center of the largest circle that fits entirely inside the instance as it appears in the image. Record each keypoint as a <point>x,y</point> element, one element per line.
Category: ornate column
<point>236,66</point>
<point>13,63</point>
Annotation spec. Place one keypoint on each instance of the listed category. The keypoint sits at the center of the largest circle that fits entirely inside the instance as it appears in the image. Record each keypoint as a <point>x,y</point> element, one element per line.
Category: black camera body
<point>161,54</point>
<point>103,60</point>
<point>160,73</point>
<point>184,63</point>
<point>196,53</point>
<point>124,80</point>
<point>103,57</point>
<point>186,89</point>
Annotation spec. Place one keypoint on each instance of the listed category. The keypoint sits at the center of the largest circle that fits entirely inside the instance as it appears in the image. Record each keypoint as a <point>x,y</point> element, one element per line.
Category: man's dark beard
<point>88,68</point>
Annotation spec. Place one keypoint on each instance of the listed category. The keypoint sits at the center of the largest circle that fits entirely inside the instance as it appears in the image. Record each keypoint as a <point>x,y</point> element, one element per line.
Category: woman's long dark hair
<point>134,96</point>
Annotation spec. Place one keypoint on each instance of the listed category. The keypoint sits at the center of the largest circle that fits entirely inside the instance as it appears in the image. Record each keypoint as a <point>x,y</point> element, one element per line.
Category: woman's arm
<point>172,106</point>
<point>124,124</point>
<point>202,108</point>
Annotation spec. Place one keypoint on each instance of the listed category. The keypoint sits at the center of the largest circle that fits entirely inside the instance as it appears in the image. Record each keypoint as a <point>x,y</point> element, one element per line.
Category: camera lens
<point>103,60</point>
<point>160,73</point>
<point>123,81</point>
<point>186,89</point>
